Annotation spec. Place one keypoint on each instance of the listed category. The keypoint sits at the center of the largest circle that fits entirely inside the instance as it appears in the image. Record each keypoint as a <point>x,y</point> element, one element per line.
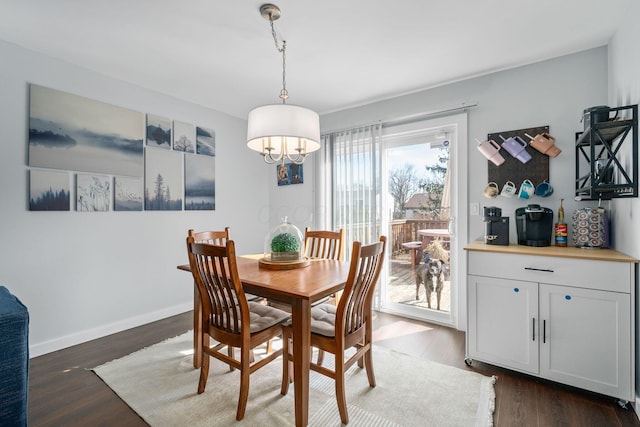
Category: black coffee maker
<point>496,226</point>
<point>534,225</point>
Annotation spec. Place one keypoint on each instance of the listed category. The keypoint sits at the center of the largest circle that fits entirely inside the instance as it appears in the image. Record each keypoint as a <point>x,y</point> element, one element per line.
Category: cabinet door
<point>586,341</point>
<point>502,322</point>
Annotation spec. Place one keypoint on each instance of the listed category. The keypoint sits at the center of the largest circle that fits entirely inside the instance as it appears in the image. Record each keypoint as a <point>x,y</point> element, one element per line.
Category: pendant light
<point>282,131</point>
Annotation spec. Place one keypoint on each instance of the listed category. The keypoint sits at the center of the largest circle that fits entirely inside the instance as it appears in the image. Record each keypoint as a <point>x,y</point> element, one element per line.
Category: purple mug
<point>516,147</point>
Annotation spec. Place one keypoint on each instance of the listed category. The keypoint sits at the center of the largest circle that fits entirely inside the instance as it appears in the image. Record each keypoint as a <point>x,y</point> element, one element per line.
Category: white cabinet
<point>504,313</point>
<point>568,320</point>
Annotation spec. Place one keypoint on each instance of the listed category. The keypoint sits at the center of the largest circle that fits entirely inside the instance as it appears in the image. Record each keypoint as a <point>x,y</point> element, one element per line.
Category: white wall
<point>90,277</point>
<point>624,89</point>
<point>84,275</point>
<point>552,92</point>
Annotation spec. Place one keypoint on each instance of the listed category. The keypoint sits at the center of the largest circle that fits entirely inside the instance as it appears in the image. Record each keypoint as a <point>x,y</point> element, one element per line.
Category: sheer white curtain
<point>349,184</point>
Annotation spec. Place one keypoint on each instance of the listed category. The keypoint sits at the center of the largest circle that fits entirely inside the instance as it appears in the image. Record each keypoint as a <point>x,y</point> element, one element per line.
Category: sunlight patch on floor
<point>407,328</point>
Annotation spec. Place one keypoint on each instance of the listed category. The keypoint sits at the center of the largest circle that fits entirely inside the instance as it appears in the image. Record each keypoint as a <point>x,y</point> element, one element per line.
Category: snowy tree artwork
<point>163,180</point>
<point>93,193</point>
<point>49,191</point>
<point>184,137</point>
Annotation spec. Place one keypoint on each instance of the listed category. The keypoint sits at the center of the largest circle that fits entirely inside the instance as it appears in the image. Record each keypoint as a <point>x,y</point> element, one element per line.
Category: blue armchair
<point>14,360</point>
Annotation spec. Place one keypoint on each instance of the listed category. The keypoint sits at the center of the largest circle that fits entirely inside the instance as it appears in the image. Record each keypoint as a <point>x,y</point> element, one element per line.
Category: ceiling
<point>340,53</point>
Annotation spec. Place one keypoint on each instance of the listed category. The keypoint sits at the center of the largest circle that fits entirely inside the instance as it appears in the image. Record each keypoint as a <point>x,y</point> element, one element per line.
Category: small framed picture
<point>49,191</point>
<point>93,193</point>
<point>289,173</point>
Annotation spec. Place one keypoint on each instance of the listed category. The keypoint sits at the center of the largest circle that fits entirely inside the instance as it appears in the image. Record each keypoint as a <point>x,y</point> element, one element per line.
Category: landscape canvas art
<point>93,193</point>
<point>184,137</point>
<point>74,133</point>
<point>205,141</point>
<point>200,183</point>
<point>49,191</point>
<point>158,132</point>
<point>128,194</point>
<point>162,180</point>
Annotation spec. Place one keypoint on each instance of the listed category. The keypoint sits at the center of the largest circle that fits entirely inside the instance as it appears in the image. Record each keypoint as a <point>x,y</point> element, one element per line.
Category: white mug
<point>509,189</point>
<point>527,189</point>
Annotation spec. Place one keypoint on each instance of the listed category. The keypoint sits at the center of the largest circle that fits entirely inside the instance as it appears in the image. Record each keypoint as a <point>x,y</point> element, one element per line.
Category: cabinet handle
<point>533,336</point>
<point>547,270</point>
<point>544,331</point>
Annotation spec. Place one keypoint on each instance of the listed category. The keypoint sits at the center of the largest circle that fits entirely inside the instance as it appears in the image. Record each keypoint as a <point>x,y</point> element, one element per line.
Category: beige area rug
<point>159,383</point>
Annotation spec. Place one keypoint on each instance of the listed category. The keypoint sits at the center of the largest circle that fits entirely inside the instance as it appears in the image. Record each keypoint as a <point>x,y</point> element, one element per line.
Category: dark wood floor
<point>64,392</point>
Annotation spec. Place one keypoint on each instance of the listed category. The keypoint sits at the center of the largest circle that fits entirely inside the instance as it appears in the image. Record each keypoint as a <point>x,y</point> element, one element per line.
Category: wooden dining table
<point>298,288</point>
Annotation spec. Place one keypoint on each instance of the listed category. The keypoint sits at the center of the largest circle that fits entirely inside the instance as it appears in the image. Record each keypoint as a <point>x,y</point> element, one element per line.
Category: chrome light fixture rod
<point>283,131</point>
<point>271,13</point>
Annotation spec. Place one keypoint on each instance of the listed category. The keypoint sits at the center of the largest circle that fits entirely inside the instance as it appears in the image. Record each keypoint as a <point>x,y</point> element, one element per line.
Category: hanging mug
<point>491,190</point>
<point>544,189</point>
<point>527,189</point>
<point>517,148</point>
<point>509,189</point>
<point>490,149</point>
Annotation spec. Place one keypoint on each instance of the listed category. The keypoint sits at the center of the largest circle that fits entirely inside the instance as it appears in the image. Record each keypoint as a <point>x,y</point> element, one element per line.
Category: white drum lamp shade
<point>283,127</point>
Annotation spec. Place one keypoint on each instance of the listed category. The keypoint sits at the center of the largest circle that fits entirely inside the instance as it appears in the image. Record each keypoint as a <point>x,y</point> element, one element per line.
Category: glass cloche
<point>283,243</point>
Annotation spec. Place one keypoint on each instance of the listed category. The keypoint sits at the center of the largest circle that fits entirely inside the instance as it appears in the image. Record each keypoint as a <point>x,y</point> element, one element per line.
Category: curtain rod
<point>410,118</point>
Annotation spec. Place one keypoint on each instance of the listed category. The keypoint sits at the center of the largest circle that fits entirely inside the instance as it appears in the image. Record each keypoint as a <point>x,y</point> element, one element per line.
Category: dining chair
<point>324,244</point>
<point>228,318</point>
<point>219,237</point>
<point>338,328</point>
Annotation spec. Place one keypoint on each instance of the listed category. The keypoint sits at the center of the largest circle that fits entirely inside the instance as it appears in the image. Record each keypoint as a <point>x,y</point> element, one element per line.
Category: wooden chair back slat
<point>324,244</point>
<point>223,299</point>
<point>354,308</point>
<point>218,238</point>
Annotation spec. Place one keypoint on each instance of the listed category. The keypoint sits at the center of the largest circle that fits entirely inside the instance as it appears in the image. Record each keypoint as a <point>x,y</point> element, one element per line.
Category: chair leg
<point>204,372</point>
<point>244,383</point>
<point>368,362</point>
<point>230,353</point>
<point>286,363</point>
<point>340,389</point>
<point>320,356</point>
<point>361,362</point>
<point>269,346</point>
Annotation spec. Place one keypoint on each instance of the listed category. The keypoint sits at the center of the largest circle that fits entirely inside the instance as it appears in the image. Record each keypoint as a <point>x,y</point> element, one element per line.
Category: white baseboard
<point>39,349</point>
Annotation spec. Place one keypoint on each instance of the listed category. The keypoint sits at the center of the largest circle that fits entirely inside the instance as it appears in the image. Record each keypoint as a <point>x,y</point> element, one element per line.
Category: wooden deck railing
<point>406,230</point>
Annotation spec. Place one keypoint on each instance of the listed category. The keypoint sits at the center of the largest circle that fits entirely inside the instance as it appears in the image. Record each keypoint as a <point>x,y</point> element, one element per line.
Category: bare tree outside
<point>433,184</point>
<point>403,183</point>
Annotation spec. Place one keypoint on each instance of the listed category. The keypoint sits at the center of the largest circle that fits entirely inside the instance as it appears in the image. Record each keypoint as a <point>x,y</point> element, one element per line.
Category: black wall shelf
<point>607,156</point>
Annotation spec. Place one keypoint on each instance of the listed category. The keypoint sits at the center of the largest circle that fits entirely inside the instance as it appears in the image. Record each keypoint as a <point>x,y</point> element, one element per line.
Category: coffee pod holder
<point>544,143</point>
<point>516,147</point>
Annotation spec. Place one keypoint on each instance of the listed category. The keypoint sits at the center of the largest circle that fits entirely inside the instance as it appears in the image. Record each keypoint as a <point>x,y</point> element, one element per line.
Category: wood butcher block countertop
<point>553,251</point>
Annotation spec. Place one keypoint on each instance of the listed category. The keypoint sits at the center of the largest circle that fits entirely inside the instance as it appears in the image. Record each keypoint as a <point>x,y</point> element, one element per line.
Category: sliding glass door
<point>404,181</point>
<point>420,208</point>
